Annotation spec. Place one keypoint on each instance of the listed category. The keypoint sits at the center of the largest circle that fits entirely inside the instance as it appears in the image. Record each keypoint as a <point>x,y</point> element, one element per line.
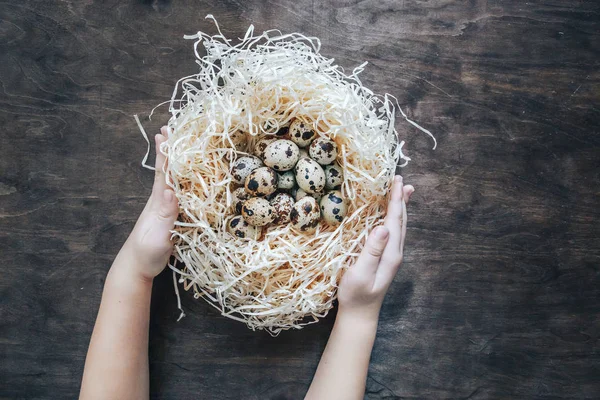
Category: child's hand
<point>149,241</point>
<point>364,285</point>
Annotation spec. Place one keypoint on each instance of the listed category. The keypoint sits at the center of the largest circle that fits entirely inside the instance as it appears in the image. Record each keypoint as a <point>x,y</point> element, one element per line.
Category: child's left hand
<point>364,285</point>
<point>150,240</point>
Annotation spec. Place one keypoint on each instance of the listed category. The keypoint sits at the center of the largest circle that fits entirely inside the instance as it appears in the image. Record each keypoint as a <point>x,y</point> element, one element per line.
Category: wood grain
<point>499,297</point>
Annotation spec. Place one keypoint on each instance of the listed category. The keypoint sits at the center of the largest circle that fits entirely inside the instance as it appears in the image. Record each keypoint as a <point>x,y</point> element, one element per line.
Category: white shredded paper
<point>285,279</point>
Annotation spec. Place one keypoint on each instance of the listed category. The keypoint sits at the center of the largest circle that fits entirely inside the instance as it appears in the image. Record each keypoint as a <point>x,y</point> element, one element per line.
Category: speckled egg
<point>239,195</point>
<point>304,153</point>
<point>261,182</point>
<point>243,166</point>
<point>286,180</point>
<point>301,133</point>
<point>258,212</point>
<point>300,193</point>
<point>241,229</point>
<point>323,151</point>
<point>278,128</point>
<point>283,132</point>
<point>305,214</point>
<point>310,175</point>
<point>238,138</point>
<point>261,145</point>
<point>282,204</point>
<point>269,197</point>
<point>282,155</point>
<point>334,176</point>
<point>333,207</point>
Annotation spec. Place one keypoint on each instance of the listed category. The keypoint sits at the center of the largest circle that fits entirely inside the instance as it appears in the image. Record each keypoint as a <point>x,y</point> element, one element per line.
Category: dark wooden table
<point>499,296</point>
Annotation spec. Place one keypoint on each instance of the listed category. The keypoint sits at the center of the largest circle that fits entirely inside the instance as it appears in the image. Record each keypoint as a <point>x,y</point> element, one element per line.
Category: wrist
<point>148,260</point>
<point>126,285</point>
<point>128,266</point>
<point>366,317</point>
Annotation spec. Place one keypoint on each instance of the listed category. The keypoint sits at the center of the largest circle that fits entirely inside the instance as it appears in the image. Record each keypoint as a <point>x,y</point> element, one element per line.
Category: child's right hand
<point>364,285</point>
<point>149,243</point>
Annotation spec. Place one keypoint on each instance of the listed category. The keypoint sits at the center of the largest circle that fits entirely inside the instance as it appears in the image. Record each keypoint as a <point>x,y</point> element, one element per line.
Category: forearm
<point>342,371</point>
<point>117,361</point>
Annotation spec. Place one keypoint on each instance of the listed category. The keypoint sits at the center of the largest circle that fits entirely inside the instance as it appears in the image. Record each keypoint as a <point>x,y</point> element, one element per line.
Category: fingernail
<point>397,179</point>
<point>168,196</point>
<point>381,233</point>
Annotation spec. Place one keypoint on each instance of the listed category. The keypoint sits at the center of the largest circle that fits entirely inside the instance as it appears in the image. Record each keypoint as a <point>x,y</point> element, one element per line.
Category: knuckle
<point>355,283</point>
<point>375,251</point>
<point>163,215</point>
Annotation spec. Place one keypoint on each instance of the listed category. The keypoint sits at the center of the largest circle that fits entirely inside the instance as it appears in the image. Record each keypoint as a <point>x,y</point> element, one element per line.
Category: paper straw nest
<point>243,92</point>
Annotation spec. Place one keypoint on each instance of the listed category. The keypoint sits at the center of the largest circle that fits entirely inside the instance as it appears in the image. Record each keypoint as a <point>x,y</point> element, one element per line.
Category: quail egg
<point>257,211</point>
<point>310,175</point>
<point>281,155</point>
<point>334,176</point>
<point>282,204</point>
<point>300,193</point>
<point>283,132</point>
<point>301,133</point>
<point>261,145</point>
<point>317,196</point>
<point>304,153</point>
<point>333,207</point>
<point>286,180</point>
<point>243,166</point>
<point>323,151</point>
<point>241,229</point>
<point>305,214</point>
<point>238,138</point>
<point>261,182</point>
<point>276,127</point>
<point>239,195</point>
<point>269,197</point>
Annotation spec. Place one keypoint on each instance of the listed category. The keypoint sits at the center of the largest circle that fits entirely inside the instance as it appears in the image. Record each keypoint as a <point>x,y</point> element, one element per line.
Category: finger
<point>408,191</point>
<point>168,209</point>
<point>369,258</point>
<point>159,164</point>
<point>395,221</point>
<point>393,218</point>
<point>159,175</point>
<point>165,131</point>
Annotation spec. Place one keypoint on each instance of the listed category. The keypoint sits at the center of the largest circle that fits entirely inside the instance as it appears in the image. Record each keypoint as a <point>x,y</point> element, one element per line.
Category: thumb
<point>168,208</point>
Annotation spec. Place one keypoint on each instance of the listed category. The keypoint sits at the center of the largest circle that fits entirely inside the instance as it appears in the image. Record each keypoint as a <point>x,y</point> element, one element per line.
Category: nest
<point>244,92</point>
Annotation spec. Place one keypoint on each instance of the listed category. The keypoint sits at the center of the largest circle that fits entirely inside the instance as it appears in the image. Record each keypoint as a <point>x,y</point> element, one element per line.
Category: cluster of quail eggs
<point>292,178</point>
